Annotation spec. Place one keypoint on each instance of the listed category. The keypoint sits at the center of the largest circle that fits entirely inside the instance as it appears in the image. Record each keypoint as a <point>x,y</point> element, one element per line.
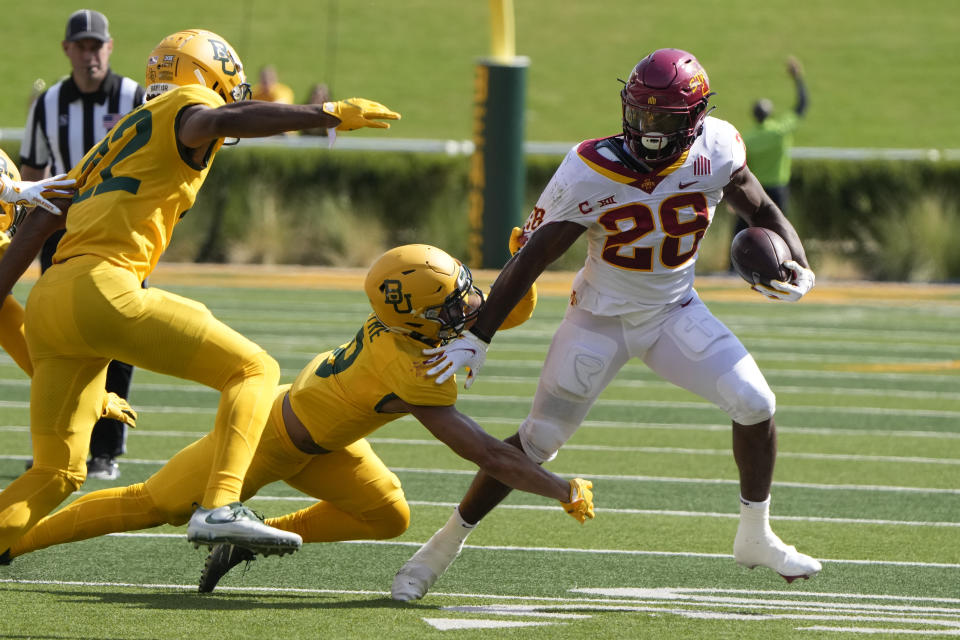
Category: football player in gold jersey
<point>15,197</point>
<point>89,307</point>
<point>314,439</point>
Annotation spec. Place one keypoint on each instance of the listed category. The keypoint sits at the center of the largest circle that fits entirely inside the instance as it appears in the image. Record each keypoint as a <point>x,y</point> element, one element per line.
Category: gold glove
<point>116,408</point>
<point>580,506</point>
<point>359,112</point>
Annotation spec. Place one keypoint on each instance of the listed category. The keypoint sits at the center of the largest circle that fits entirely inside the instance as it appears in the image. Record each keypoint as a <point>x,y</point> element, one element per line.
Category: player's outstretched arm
<point>504,462</point>
<point>514,282</point>
<point>200,124</point>
<point>27,241</point>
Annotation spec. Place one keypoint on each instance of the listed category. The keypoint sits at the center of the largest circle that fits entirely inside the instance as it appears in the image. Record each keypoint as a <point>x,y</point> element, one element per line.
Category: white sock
<point>457,526</point>
<point>754,517</point>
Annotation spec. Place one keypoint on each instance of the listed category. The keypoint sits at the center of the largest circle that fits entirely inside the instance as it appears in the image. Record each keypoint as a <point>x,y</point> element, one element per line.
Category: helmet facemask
<point>657,134</point>
<point>457,310</point>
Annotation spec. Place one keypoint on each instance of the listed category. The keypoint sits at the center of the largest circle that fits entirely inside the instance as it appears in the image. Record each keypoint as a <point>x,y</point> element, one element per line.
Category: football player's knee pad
<point>262,363</point>
<point>388,521</point>
<point>66,481</point>
<point>746,394</point>
<point>251,366</point>
<point>541,438</point>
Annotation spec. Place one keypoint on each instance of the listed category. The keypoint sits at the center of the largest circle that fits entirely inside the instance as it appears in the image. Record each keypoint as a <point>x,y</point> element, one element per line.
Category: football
<point>757,254</point>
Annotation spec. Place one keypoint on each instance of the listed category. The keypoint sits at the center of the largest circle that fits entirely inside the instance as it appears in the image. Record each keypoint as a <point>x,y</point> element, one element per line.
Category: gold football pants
<point>85,312</point>
<point>12,339</point>
<point>360,498</point>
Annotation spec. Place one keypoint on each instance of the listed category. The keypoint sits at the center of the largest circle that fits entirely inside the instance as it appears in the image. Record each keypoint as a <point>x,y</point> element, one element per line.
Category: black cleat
<point>5,558</point>
<point>103,468</point>
<point>222,558</point>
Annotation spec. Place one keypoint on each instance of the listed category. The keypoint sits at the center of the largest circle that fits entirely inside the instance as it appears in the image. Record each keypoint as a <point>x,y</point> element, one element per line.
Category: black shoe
<point>222,558</point>
<point>5,558</point>
<point>103,468</point>
<point>28,464</point>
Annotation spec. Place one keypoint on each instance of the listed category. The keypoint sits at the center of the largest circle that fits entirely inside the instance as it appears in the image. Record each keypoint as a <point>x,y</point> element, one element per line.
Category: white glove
<point>467,351</point>
<point>801,281</point>
<point>31,193</point>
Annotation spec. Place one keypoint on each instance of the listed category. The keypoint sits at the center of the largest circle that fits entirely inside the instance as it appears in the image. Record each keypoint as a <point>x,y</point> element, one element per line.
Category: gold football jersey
<point>135,185</point>
<point>339,394</point>
<point>7,210</point>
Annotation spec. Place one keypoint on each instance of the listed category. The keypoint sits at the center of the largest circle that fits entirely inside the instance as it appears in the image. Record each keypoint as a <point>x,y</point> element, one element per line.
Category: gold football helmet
<point>423,292</point>
<point>199,57</point>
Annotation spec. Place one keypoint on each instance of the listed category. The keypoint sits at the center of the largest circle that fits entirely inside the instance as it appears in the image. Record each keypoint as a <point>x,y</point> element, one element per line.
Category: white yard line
<point>633,478</point>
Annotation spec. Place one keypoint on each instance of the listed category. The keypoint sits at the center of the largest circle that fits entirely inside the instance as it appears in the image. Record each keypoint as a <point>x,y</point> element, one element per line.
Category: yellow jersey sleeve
<point>339,396</point>
<point>135,185</point>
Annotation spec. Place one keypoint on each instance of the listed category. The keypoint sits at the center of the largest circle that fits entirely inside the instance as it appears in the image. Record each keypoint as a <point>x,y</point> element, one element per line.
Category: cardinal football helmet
<point>423,292</point>
<point>664,105</point>
<point>199,57</point>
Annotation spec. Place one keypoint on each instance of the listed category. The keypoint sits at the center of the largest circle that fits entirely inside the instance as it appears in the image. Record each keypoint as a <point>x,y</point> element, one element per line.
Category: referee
<point>64,123</point>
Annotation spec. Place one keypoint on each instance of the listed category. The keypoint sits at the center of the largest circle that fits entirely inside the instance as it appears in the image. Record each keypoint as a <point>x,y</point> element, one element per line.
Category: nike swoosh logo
<point>217,519</point>
<point>683,304</point>
<point>684,185</point>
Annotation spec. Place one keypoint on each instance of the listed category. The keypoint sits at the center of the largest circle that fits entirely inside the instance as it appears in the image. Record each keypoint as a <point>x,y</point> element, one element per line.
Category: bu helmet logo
<point>221,53</point>
<point>393,294</point>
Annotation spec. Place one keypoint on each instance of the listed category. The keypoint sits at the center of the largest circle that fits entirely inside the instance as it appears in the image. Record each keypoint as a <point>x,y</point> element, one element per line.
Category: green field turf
<point>880,72</point>
<point>866,480</point>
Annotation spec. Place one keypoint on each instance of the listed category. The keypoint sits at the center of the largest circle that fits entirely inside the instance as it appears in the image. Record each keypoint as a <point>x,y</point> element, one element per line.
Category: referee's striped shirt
<point>64,124</point>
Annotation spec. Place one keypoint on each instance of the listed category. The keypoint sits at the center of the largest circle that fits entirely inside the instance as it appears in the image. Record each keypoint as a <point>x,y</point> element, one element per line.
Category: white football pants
<point>684,344</point>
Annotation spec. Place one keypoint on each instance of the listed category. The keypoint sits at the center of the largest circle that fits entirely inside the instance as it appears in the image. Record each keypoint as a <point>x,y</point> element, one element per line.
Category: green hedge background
<point>887,220</point>
<point>881,220</point>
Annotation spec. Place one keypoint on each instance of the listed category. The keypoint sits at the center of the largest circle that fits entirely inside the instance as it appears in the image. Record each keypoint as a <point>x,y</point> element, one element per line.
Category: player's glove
<point>517,240</point>
<point>116,408</point>
<point>359,112</point>
<point>32,194</point>
<point>523,310</point>
<point>467,351</point>
<point>801,281</point>
<point>580,506</point>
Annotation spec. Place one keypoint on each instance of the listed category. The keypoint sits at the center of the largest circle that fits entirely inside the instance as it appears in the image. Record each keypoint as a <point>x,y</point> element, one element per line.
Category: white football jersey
<point>643,229</point>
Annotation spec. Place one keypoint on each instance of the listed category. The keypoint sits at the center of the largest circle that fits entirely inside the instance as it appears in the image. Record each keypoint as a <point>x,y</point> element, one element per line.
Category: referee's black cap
<point>87,23</point>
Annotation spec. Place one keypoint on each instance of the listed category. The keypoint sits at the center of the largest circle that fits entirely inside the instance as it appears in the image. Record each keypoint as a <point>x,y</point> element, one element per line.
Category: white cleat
<point>236,524</point>
<point>770,551</point>
<point>420,572</point>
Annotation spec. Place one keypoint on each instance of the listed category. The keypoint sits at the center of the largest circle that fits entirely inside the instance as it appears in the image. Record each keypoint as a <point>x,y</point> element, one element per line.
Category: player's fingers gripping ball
<point>580,506</point>
<point>356,113</point>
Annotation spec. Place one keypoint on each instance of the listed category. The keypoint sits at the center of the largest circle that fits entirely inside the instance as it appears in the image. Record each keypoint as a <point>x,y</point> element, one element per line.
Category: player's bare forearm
<point>27,242</point>
<point>504,462</point>
<point>747,197</point>
<point>522,270</point>
<point>249,119</point>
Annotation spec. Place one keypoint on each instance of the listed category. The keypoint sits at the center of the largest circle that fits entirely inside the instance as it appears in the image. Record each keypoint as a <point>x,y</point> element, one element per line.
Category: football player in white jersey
<point>644,198</point>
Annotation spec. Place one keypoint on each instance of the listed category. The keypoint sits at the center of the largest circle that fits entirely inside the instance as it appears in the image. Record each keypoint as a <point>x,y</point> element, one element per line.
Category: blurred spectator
<point>319,93</point>
<point>270,89</point>
<point>769,143</point>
